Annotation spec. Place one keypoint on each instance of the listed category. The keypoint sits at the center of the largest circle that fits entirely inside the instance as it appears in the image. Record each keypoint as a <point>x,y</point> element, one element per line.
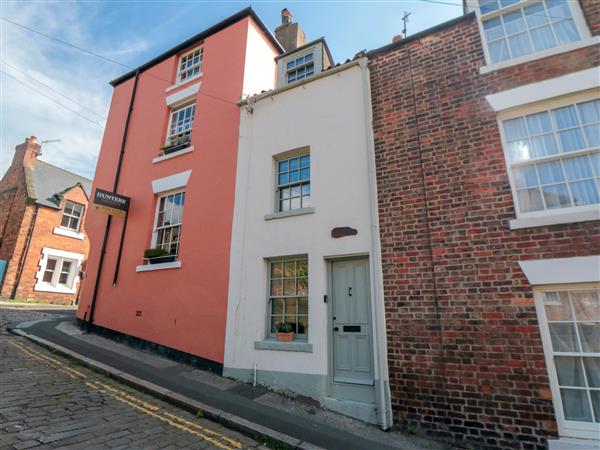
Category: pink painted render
<point>183,308</point>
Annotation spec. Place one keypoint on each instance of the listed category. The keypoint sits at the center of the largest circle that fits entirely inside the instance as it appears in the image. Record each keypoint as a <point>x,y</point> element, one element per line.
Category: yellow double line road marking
<point>75,374</point>
<point>217,439</point>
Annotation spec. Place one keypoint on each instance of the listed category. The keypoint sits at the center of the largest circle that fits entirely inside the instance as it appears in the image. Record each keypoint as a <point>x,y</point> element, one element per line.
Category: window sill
<point>294,346</point>
<point>539,55</point>
<point>292,213</point>
<point>183,151</point>
<point>45,287</point>
<point>555,219</point>
<point>183,83</point>
<point>68,233</point>
<point>572,444</point>
<point>161,266</point>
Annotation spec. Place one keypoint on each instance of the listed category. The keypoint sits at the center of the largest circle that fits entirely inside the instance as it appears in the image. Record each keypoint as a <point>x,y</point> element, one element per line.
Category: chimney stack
<point>289,34</point>
<point>27,152</point>
<point>397,38</point>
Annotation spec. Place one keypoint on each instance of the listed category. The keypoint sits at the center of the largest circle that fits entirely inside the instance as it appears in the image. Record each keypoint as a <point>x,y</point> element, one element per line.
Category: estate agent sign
<point>110,203</point>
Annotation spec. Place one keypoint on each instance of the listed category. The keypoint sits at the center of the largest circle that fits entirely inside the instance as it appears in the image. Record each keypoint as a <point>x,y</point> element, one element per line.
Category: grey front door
<point>351,323</point>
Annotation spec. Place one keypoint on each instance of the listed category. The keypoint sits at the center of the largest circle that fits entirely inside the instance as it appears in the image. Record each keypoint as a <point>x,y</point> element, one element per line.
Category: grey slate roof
<point>46,183</point>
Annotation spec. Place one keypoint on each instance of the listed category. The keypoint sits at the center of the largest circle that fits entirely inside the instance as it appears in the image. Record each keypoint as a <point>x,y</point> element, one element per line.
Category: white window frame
<point>172,111</point>
<point>79,219</point>
<point>556,215</point>
<point>162,195</point>
<point>60,256</point>
<point>296,68</point>
<point>566,428</point>
<point>578,18</point>
<point>316,50</point>
<point>200,48</point>
<point>270,334</point>
<point>295,154</point>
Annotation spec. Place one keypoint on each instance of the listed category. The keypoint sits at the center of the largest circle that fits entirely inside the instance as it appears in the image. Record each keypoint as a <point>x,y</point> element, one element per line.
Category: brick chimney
<point>27,152</point>
<point>289,34</point>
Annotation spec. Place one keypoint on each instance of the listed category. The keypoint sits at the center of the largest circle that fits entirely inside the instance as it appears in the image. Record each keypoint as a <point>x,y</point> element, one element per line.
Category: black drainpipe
<point>13,294</point>
<point>428,228</point>
<point>108,221</point>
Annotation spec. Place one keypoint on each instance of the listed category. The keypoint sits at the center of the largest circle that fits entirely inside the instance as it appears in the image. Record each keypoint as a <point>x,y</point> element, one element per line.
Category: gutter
<point>109,220</point>
<point>382,397</point>
<point>252,100</point>
<point>420,34</point>
<point>196,39</point>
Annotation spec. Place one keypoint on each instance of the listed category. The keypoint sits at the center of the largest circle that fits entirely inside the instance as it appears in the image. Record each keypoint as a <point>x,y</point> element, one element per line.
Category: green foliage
<point>284,327</point>
<point>199,414</point>
<point>154,252</point>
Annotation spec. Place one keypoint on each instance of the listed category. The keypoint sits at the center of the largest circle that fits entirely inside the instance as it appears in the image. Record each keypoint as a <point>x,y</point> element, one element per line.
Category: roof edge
<point>420,34</point>
<point>305,46</point>
<point>246,12</point>
<point>332,71</point>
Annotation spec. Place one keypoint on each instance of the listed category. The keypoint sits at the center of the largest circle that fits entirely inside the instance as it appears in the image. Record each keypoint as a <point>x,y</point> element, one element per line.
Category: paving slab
<point>257,412</point>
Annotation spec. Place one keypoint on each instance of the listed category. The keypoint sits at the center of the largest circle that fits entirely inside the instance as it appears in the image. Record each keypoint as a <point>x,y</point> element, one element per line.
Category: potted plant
<point>172,148</point>
<point>158,255</point>
<point>285,331</point>
<point>175,145</point>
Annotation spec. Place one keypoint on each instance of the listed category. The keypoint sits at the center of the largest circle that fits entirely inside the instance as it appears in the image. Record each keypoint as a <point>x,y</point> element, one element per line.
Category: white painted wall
<point>328,115</point>
<point>259,71</point>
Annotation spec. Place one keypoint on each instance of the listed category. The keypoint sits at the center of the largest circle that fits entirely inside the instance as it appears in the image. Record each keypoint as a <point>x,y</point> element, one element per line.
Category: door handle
<point>336,329</point>
<point>350,291</point>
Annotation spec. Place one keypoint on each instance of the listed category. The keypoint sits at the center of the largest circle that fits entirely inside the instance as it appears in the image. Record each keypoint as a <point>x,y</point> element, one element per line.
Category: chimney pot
<point>289,34</point>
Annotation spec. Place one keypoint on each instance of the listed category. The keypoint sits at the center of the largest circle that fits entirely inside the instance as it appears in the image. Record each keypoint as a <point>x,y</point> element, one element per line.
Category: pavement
<point>276,419</point>
<point>48,401</point>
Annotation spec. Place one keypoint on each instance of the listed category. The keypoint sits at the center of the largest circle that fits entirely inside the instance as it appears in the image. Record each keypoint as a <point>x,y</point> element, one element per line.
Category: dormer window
<point>303,62</point>
<point>300,68</point>
<point>190,65</point>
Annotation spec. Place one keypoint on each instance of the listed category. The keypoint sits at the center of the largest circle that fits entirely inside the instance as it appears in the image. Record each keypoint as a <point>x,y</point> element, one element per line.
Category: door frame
<point>329,260</point>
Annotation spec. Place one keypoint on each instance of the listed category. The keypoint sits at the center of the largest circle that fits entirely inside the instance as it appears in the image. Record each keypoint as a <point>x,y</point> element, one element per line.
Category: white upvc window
<point>72,214</point>
<point>190,65</point>
<point>553,155</point>
<point>516,28</point>
<point>181,122</point>
<point>300,68</point>
<point>58,271</point>
<point>167,224</point>
<point>288,294</point>
<point>569,318</point>
<point>293,183</point>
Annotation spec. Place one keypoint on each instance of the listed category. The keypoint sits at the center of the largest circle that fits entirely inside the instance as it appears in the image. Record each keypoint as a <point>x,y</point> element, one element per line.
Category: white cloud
<point>81,77</point>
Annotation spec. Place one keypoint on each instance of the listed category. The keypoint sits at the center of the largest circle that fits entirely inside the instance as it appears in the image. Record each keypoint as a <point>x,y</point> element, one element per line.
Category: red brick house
<point>487,141</point>
<point>43,244</point>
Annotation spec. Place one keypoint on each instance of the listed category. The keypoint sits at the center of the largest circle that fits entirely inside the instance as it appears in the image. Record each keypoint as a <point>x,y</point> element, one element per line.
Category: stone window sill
<point>294,346</point>
<point>183,83</point>
<point>46,287</point>
<point>68,233</point>
<point>161,266</point>
<point>555,219</point>
<point>292,213</point>
<point>183,151</point>
<point>539,55</point>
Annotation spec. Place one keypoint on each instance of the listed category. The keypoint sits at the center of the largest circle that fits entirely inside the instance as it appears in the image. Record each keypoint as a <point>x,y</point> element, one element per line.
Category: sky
<point>132,32</point>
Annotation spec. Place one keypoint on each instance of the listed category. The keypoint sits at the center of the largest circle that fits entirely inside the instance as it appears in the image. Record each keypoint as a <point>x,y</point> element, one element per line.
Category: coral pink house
<point>178,168</point>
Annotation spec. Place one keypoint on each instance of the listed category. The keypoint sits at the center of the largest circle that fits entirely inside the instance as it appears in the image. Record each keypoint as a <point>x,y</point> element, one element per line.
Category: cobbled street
<point>47,401</point>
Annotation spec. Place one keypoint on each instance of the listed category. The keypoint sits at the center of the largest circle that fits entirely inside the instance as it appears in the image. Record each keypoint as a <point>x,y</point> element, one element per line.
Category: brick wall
<point>464,348</point>
<point>15,216</point>
<point>47,219</point>
<point>21,216</point>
